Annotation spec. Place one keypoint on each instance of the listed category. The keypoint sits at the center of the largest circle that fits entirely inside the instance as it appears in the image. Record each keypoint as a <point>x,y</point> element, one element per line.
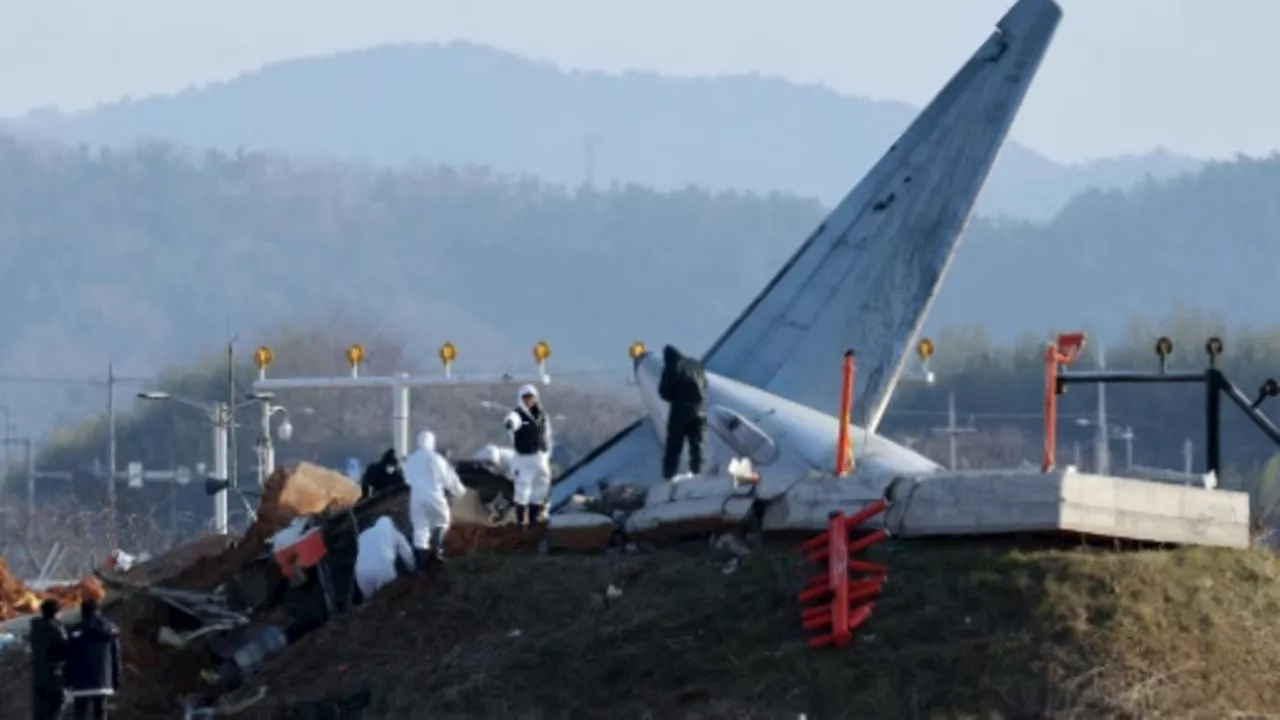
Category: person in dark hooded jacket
<point>48,652</point>
<point>382,475</point>
<point>684,388</point>
<point>93,662</point>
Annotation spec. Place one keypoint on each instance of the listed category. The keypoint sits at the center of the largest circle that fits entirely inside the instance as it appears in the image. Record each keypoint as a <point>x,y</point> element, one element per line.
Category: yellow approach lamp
<point>355,358</point>
<point>448,353</point>
<point>263,357</point>
<point>542,351</point>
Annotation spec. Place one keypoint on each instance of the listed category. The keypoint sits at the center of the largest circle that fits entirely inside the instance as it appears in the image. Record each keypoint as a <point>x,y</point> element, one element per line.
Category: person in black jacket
<point>48,652</point>
<point>530,431</point>
<point>93,663</point>
<point>684,387</point>
<point>382,475</point>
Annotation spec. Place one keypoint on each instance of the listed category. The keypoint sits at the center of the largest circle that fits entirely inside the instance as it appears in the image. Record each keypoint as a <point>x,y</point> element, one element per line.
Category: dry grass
<point>962,631</point>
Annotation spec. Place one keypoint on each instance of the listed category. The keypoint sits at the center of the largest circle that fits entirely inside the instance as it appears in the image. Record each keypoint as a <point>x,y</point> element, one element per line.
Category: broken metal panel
<point>892,237</point>
<point>632,453</point>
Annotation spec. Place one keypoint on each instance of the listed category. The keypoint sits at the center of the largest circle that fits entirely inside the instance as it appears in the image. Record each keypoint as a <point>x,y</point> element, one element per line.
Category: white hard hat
<point>526,390</point>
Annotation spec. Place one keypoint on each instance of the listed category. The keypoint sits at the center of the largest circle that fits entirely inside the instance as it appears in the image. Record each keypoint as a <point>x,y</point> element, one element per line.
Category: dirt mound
<point>960,631</point>
<point>164,568</point>
<point>16,599</point>
<point>307,490</point>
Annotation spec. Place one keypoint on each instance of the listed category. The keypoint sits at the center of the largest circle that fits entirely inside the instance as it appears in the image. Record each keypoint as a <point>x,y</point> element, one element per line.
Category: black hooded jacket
<point>684,382</point>
<point>93,656</point>
<point>382,475</point>
<point>48,651</point>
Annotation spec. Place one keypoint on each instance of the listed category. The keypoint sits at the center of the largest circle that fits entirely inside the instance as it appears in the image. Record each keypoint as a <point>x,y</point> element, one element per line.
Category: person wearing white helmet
<point>431,481</point>
<point>530,431</point>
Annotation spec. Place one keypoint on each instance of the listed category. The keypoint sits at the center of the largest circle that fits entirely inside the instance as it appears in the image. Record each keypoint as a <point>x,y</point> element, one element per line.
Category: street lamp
<point>220,416</point>
<point>267,449</point>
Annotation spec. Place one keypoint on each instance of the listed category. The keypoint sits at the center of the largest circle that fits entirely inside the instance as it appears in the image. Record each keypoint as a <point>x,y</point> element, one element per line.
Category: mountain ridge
<point>745,132</point>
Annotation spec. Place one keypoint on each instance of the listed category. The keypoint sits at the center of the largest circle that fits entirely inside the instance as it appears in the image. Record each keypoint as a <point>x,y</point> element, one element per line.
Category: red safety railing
<point>847,586</point>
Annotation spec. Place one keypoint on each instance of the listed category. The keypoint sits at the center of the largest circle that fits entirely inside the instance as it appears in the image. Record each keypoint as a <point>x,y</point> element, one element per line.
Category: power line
<point>91,381</point>
<point>138,380</point>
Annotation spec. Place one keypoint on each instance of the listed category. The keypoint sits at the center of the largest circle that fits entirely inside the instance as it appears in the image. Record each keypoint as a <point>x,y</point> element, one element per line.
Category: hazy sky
<point>1196,76</point>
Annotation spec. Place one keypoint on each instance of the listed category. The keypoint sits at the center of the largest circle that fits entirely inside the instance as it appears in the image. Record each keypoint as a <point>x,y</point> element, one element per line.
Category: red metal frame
<point>307,552</point>
<point>844,447</point>
<point>846,588</point>
<point>1060,353</point>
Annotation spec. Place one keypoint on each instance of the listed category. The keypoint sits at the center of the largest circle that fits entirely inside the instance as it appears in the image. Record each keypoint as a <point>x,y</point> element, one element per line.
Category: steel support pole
<point>221,449</point>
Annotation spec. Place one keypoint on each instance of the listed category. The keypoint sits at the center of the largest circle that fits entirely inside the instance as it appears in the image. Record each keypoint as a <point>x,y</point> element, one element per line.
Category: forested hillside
<point>150,255</point>
<point>461,104</point>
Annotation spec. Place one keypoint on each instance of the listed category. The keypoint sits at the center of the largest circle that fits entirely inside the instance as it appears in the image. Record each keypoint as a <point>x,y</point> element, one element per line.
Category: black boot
<point>520,516</point>
<point>437,543</point>
<point>422,558</point>
<point>535,515</point>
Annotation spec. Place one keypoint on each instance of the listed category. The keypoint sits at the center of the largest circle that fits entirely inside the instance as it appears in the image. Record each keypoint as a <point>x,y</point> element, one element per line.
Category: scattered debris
<point>202,620</point>
<point>731,544</point>
<point>17,600</point>
<point>123,561</point>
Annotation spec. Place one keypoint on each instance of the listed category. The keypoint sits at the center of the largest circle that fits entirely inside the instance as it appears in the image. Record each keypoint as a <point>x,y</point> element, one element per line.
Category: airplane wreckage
<point>863,280</point>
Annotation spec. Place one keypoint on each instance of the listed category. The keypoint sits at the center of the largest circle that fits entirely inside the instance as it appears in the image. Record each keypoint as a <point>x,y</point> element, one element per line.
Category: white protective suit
<point>430,476</point>
<point>532,472</point>
<point>376,554</point>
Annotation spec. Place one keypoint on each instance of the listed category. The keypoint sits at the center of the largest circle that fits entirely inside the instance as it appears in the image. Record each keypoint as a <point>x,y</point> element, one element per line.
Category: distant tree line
<point>152,253</point>
<point>998,392</point>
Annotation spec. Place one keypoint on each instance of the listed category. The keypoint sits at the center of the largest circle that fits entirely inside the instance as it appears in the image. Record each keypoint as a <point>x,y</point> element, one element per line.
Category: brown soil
<point>962,631</point>
<point>16,599</point>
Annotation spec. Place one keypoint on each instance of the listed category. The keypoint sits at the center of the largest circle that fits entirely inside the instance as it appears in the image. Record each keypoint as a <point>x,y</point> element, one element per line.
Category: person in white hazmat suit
<point>530,430</point>
<point>376,552</point>
<point>431,481</point>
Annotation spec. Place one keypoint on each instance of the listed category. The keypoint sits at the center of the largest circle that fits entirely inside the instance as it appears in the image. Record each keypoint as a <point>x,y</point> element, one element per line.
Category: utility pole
<point>111,457</point>
<point>952,429</point>
<point>233,474</point>
<point>1101,447</point>
<point>1128,437</point>
<point>1078,456</point>
<point>222,423</point>
<point>1188,454</point>
<point>266,449</point>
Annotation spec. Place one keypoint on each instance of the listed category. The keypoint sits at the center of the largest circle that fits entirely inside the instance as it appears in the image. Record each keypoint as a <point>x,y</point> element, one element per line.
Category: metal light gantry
<point>399,384</point>
<point>1067,348</point>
